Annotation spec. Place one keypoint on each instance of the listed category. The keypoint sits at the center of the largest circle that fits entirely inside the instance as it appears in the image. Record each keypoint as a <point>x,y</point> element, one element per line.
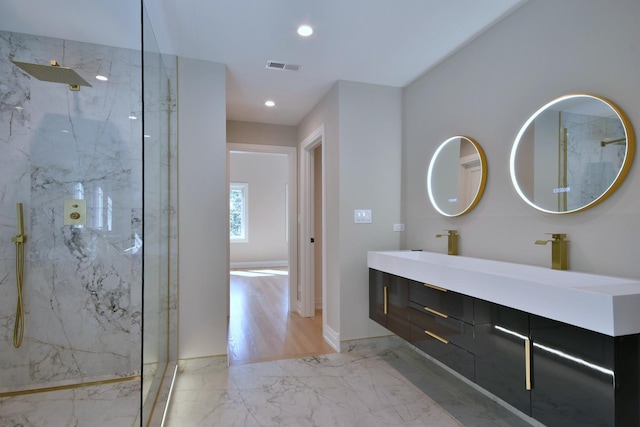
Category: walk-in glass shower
<point>90,165</point>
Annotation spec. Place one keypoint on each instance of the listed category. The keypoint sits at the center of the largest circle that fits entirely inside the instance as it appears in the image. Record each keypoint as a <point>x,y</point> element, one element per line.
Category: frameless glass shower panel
<point>159,299</point>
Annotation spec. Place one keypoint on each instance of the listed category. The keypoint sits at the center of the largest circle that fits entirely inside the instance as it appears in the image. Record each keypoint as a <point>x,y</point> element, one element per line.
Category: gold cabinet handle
<point>438,337</point>
<point>437,288</point>
<point>527,363</point>
<point>386,300</point>
<point>436,312</point>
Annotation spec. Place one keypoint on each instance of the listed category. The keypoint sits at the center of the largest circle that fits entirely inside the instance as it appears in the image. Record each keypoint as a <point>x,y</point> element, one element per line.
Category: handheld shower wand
<point>19,240</point>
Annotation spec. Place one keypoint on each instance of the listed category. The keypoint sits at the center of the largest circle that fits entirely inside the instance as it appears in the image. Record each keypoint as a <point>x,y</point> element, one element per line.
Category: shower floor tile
<point>113,405</point>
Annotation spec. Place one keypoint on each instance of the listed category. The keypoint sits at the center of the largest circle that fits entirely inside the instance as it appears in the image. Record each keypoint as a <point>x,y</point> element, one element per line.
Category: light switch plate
<point>398,227</point>
<point>362,216</point>
<point>75,212</point>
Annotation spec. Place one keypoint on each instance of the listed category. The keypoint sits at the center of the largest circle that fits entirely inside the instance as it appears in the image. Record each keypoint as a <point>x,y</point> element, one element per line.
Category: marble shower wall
<point>82,284</point>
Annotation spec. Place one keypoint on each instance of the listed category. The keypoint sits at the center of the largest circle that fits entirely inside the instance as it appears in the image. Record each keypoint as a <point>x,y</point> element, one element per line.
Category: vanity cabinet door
<point>377,283</point>
<point>501,335</point>
<point>389,302</point>
<point>398,303</point>
<point>574,381</point>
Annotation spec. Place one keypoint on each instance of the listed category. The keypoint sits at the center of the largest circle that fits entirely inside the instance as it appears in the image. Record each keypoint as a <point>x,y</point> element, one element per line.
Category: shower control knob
<point>75,212</point>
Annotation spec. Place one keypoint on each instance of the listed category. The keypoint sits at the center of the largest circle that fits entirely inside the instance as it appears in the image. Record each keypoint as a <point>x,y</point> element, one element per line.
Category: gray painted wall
<point>203,223</point>
<point>487,90</point>
<point>267,175</point>
<point>363,169</point>
<point>261,133</point>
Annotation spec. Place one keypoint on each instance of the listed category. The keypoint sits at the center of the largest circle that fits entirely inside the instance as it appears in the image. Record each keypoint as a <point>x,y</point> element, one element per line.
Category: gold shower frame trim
<point>69,386</point>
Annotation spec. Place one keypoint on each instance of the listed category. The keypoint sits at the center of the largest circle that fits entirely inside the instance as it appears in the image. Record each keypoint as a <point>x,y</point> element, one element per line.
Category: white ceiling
<point>387,42</point>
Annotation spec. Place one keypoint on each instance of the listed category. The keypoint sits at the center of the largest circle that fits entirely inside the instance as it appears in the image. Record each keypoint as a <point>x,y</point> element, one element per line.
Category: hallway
<point>261,328</point>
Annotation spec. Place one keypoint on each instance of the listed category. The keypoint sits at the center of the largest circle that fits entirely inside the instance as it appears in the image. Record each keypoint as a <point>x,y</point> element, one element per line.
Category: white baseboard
<point>331,337</point>
<point>258,264</point>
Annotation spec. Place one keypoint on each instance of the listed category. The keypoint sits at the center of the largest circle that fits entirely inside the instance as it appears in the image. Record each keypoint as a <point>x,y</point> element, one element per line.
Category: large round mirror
<point>457,175</point>
<point>571,154</point>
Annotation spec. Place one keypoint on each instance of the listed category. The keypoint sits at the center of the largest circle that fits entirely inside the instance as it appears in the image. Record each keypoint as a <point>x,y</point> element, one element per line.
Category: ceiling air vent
<point>276,65</point>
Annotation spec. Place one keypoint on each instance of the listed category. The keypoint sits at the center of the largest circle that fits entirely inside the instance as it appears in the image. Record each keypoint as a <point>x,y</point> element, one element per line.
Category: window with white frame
<point>238,204</point>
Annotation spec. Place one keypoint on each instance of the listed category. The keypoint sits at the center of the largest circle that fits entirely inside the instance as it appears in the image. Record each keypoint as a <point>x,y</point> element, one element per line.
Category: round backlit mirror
<point>457,175</point>
<point>571,154</point>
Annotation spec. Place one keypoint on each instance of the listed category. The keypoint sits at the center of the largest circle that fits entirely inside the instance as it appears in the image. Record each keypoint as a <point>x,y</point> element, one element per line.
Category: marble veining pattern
<point>371,383</point>
<point>113,405</point>
<point>311,391</point>
<point>365,385</point>
<point>82,285</point>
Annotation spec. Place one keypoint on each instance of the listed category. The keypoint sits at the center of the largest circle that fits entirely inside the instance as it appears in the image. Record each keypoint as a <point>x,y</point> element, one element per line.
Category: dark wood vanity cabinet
<point>442,326</point>
<point>570,376</point>
<point>559,374</point>
<point>389,302</point>
<point>500,340</point>
<point>582,377</point>
<point>434,320</point>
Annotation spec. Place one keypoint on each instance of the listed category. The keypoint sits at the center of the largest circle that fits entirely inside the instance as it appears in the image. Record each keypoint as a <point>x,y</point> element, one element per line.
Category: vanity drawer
<point>450,354</point>
<point>448,302</point>
<point>450,329</point>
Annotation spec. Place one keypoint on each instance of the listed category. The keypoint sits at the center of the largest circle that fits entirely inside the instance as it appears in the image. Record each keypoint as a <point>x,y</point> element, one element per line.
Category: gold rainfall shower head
<point>54,73</point>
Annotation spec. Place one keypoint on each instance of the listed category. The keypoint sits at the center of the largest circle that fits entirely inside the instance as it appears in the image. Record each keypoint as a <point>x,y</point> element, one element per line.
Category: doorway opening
<point>264,319</point>
<point>313,242</point>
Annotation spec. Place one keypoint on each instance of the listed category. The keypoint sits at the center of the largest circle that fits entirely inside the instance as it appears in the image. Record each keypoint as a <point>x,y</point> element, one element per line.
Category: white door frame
<point>307,289</point>
<point>291,153</point>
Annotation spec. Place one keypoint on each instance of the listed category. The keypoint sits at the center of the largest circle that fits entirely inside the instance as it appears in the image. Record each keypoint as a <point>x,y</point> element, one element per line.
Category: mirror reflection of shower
<point>572,154</point>
<point>591,163</point>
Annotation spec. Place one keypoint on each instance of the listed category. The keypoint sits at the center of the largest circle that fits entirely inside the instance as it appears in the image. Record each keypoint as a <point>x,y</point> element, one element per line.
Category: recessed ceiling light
<point>305,30</point>
<point>132,117</point>
<point>102,78</point>
<point>147,136</point>
<point>270,103</point>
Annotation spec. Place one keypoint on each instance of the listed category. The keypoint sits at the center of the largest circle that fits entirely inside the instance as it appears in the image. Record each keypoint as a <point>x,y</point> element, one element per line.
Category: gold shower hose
<point>18,330</point>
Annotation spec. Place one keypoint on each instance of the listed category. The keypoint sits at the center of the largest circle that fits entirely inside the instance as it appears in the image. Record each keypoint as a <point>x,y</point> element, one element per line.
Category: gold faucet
<point>452,241</point>
<point>558,250</point>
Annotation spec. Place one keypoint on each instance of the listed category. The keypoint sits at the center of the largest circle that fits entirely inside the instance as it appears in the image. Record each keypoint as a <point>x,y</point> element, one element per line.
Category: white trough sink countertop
<point>605,304</point>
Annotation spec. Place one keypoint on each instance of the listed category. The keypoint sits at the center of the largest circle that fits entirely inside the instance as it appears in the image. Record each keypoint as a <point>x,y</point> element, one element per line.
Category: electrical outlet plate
<point>362,216</point>
<point>75,212</point>
<point>398,227</point>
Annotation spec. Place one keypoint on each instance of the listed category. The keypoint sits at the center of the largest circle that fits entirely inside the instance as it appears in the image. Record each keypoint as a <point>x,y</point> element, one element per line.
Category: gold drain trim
<point>69,386</point>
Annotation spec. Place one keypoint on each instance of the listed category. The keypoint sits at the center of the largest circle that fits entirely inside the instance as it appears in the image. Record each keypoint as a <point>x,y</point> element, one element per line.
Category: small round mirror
<point>571,154</point>
<point>457,175</point>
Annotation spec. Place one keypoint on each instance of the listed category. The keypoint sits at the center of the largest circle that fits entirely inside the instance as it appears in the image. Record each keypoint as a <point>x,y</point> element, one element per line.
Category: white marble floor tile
<point>355,388</point>
<point>371,383</point>
<point>113,405</point>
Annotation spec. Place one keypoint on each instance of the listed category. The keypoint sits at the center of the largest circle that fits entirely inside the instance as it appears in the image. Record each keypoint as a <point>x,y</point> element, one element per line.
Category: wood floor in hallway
<point>261,328</point>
